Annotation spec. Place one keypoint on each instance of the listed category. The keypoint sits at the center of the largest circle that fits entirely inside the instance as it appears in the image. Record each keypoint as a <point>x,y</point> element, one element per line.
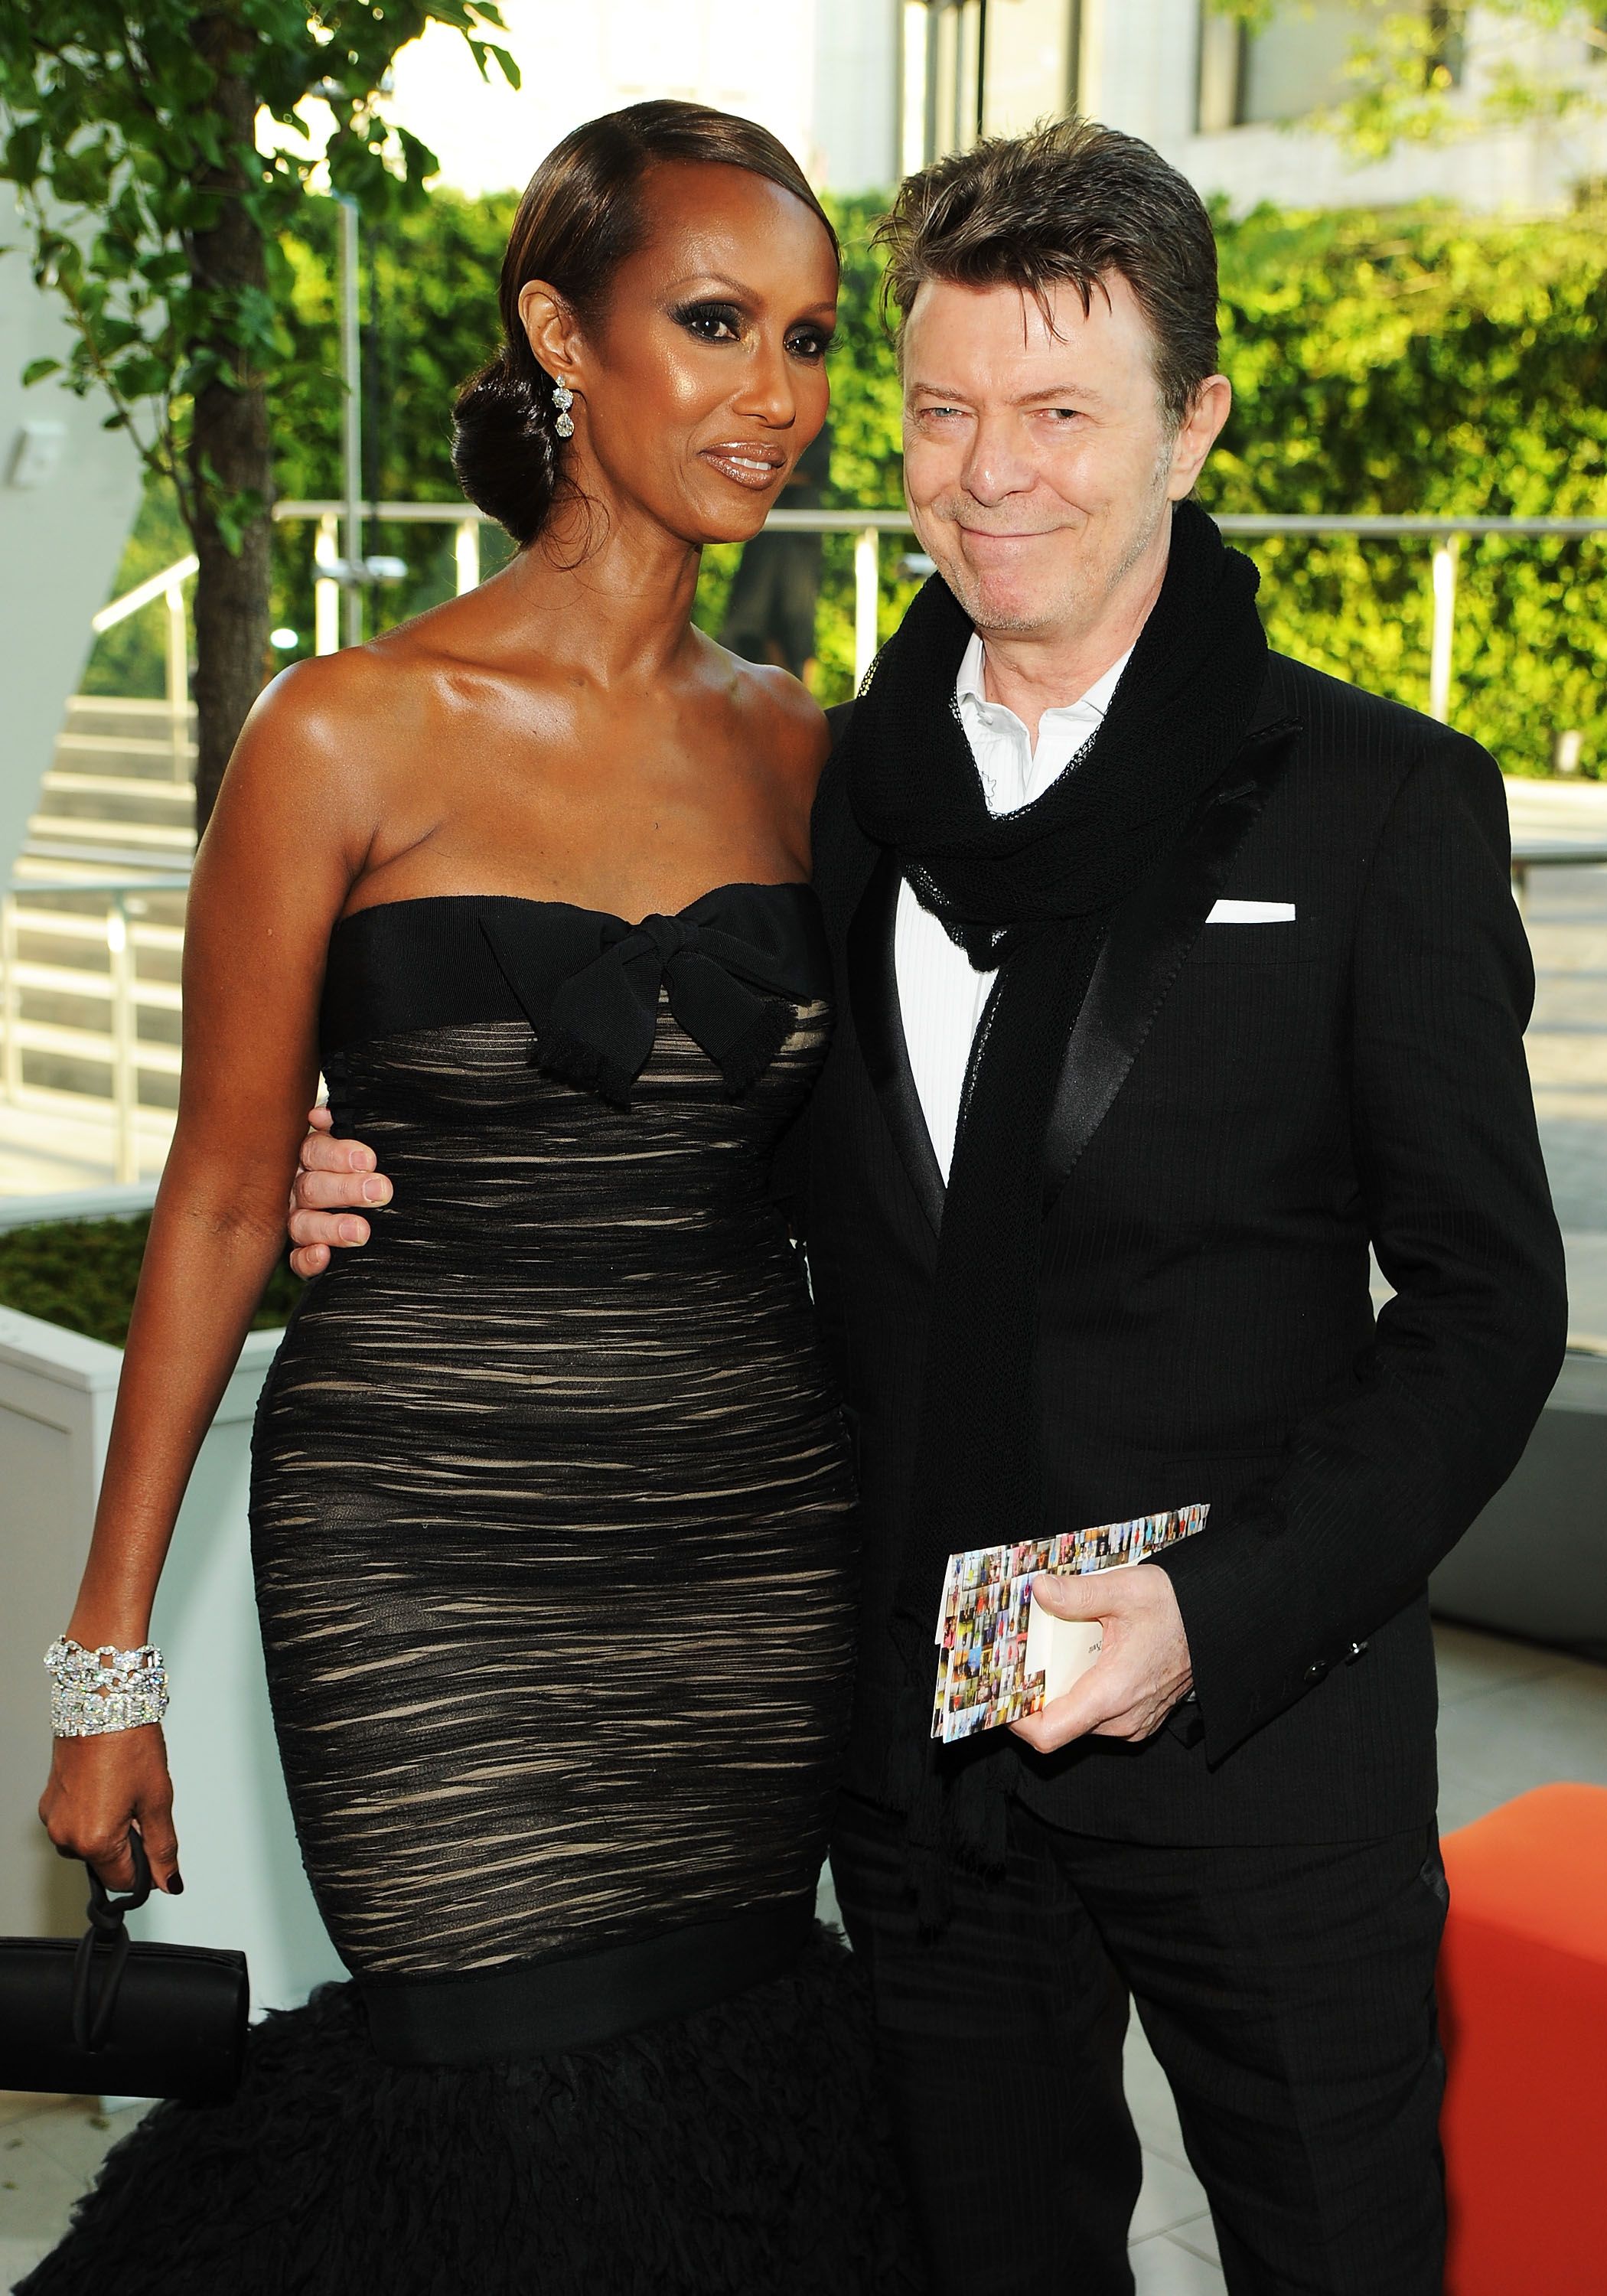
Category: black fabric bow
<point>596,1029</point>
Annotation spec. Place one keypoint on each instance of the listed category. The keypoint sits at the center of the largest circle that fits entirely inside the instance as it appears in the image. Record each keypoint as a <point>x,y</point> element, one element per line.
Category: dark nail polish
<point>175,1888</point>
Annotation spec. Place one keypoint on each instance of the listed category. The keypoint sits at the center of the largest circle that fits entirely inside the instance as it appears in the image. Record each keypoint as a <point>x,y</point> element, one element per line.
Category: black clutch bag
<point>106,2017</point>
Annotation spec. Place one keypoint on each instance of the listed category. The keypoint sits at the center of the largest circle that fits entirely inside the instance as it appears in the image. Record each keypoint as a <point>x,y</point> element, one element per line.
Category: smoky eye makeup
<point>711,320</point>
<point>714,320</point>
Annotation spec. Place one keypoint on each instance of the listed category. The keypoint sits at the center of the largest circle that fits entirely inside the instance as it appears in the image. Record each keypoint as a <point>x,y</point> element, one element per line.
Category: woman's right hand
<point>100,1789</point>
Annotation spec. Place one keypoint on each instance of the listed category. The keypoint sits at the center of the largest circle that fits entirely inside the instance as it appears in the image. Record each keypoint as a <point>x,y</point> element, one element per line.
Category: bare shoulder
<point>295,724</point>
<point>336,731</point>
<point>786,725</point>
<point>322,709</point>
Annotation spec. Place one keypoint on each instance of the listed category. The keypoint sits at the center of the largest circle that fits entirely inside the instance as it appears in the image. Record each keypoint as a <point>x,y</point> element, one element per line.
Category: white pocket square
<point>1253,912</point>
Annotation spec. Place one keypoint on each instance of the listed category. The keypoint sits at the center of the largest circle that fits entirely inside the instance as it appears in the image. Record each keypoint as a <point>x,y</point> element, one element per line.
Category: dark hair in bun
<point>581,217</point>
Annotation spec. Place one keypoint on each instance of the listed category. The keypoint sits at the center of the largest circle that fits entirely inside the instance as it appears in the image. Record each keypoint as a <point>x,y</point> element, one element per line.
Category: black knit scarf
<point>1029,895</point>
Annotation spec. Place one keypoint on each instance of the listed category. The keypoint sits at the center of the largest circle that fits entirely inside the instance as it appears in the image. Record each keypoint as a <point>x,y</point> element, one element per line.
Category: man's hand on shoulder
<point>332,1175</point>
<point>1143,1670</point>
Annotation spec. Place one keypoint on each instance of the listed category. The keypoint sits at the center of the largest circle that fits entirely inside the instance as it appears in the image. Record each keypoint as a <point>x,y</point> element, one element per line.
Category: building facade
<point>863,90</point>
<point>1237,109</point>
<point>821,74</point>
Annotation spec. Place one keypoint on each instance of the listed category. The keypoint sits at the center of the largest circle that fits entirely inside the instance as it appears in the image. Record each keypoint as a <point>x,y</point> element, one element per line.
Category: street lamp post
<point>351,372</point>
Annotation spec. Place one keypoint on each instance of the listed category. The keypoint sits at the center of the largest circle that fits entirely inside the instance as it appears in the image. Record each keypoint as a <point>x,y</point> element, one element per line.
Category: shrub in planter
<point>81,1275</point>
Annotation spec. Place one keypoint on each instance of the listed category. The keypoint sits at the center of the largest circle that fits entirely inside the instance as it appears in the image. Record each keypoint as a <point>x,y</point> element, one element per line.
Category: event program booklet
<point>999,1656</point>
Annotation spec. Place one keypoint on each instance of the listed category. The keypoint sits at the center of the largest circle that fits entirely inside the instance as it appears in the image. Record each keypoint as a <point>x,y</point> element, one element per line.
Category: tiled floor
<point>1512,1717</point>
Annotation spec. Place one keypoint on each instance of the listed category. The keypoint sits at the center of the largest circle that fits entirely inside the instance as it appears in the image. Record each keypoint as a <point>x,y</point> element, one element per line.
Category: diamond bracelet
<point>94,1691</point>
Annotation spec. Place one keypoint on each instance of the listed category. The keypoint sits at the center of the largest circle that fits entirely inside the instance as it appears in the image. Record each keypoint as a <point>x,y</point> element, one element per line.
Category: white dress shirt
<point>941,994</point>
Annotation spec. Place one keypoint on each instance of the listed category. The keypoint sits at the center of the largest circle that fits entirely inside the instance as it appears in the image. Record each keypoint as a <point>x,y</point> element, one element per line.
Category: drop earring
<point>563,398</point>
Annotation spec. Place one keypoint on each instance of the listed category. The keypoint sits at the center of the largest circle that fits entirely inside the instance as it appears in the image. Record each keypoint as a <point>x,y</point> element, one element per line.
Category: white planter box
<point>243,1882</point>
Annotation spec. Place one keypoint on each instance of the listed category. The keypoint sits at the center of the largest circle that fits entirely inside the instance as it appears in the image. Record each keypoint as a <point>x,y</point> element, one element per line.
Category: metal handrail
<point>879,522</point>
<point>890,520</point>
<point>1411,522</point>
<point>158,585</point>
<point>169,584</point>
<point>867,526</point>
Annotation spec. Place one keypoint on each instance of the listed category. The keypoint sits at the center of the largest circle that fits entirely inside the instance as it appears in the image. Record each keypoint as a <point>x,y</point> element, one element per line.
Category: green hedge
<point>1412,361</point>
<point>82,1274</point>
<point>1426,361</point>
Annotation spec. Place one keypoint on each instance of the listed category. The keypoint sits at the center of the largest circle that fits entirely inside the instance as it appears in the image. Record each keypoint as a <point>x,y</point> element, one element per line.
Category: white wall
<point>1523,170</point>
<point>60,540</point>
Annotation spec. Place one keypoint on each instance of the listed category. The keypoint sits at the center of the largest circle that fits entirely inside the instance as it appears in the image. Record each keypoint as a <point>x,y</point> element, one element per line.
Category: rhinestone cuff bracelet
<point>93,1691</point>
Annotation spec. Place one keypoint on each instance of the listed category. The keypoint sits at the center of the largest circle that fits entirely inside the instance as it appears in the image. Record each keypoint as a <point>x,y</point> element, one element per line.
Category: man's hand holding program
<point>1143,1670</point>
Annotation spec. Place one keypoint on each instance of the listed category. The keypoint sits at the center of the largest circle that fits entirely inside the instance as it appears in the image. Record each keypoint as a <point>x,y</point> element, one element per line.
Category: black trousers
<point>1288,1993</point>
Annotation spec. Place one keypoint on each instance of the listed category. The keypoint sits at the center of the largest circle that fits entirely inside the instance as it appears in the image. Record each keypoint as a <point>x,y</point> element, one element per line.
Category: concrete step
<point>152,764</point>
<point>148,790</point>
<point>110,801</point>
<point>118,802</point>
<point>60,830</point>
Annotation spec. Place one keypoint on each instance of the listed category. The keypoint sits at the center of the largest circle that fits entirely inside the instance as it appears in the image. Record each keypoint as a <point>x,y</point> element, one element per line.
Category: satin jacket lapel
<point>1149,940</point>
<point>873,995</point>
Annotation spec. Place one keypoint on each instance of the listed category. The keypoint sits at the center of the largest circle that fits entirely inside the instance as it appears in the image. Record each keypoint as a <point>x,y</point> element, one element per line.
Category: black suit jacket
<point>1243,1109</point>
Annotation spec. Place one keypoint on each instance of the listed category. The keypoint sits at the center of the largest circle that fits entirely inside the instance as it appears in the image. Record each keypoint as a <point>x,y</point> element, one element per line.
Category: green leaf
<point>144,376</point>
<point>37,370</point>
<point>24,148</point>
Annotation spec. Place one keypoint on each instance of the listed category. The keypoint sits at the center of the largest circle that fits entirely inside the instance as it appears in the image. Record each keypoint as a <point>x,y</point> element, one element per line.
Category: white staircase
<point>92,932</point>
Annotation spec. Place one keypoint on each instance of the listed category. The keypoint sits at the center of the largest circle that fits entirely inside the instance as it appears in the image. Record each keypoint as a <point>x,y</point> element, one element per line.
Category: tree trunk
<point>229,449</point>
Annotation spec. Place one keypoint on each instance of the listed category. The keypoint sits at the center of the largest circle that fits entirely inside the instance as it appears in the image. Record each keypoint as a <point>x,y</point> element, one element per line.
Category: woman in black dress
<point>552,1509</point>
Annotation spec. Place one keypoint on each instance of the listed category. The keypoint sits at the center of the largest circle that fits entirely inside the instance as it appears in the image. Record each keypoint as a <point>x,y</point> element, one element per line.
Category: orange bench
<point>1523,2008</point>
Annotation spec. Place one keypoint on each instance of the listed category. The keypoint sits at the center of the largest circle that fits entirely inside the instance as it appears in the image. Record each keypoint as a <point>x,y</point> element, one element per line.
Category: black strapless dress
<point>553,1521</point>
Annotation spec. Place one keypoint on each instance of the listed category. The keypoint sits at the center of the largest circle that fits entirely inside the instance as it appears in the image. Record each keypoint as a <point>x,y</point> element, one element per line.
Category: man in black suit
<point>1175,975</point>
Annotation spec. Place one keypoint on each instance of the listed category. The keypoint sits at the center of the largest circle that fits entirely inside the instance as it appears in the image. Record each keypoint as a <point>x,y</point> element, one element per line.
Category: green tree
<point>153,215</point>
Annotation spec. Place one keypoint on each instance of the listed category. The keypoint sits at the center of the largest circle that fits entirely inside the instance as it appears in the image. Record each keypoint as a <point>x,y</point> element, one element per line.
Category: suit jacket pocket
<point>1286,942</point>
